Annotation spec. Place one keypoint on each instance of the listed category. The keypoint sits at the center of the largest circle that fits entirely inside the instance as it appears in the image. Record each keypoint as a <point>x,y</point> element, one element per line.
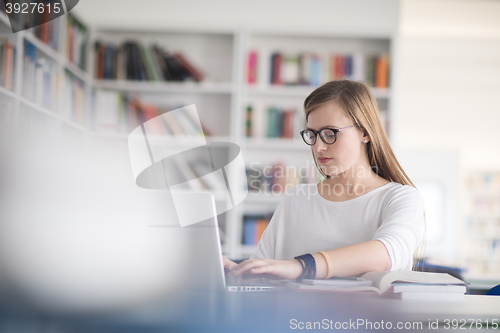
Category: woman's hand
<point>228,264</point>
<point>284,269</point>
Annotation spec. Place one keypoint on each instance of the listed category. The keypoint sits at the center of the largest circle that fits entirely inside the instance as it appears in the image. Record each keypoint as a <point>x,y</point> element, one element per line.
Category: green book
<point>148,62</point>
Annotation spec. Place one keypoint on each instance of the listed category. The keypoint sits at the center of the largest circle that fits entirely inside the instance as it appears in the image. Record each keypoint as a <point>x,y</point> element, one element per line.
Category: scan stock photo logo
<point>195,172</point>
<point>26,14</point>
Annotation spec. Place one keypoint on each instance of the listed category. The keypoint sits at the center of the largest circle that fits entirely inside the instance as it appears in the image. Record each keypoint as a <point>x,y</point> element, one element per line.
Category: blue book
<point>249,232</point>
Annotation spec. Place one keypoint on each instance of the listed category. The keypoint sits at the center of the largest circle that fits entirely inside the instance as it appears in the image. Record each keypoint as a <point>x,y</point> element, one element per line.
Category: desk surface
<point>285,311</point>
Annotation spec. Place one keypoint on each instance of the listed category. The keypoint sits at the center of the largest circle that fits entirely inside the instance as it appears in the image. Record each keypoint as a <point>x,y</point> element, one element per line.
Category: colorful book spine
<point>134,61</point>
<point>7,62</point>
<point>279,124</point>
<point>248,121</point>
<point>116,112</point>
<point>254,226</point>
<point>252,67</point>
<point>382,71</point>
<point>49,32</point>
<point>314,69</point>
<point>76,41</point>
<point>279,177</point>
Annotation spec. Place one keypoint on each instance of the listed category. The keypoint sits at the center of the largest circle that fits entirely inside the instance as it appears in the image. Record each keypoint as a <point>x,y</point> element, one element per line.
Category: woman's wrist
<point>298,268</point>
<point>321,266</point>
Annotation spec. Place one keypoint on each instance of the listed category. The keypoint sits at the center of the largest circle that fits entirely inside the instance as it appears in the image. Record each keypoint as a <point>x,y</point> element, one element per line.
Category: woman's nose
<point>320,145</point>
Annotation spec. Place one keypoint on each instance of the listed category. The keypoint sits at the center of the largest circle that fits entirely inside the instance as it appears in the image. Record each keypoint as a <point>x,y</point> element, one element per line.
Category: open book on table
<point>382,282</point>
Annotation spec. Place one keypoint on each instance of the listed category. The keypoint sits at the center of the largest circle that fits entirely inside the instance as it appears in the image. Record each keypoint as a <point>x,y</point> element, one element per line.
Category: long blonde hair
<point>356,99</point>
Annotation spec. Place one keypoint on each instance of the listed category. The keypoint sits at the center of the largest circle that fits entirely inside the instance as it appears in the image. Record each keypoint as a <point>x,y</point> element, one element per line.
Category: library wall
<point>448,77</point>
<point>316,16</point>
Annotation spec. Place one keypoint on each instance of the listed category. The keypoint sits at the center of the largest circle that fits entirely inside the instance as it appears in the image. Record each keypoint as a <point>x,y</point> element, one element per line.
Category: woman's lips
<point>324,159</point>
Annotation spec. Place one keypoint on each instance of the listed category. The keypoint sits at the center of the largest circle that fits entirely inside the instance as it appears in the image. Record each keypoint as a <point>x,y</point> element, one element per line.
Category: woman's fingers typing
<point>287,269</point>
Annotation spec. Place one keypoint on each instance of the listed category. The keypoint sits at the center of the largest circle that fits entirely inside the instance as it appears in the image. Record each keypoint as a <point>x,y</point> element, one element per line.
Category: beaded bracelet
<point>309,267</point>
<point>301,277</point>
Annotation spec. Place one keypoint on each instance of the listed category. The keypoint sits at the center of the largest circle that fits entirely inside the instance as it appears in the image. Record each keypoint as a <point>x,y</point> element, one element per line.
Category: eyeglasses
<point>327,135</point>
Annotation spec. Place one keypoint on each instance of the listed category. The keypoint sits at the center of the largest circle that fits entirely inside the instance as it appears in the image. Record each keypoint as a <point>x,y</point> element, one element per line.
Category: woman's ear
<point>366,137</point>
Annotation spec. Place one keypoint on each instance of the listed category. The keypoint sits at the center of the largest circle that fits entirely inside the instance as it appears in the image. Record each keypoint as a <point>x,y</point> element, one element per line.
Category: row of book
<point>253,227</point>
<point>46,85</point>
<point>483,255</point>
<point>76,42</point>
<point>484,248</point>
<point>198,173</point>
<point>135,61</point>
<point>488,181</point>
<point>312,69</point>
<point>41,78</point>
<point>280,122</point>
<point>7,60</point>
<point>49,33</point>
<point>486,205</point>
<point>278,177</point>
<point>115,112</point>
<point>73,103</point>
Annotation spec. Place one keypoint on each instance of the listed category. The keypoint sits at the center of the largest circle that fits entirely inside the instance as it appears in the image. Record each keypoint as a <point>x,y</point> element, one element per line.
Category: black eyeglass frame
<point>335,131</point>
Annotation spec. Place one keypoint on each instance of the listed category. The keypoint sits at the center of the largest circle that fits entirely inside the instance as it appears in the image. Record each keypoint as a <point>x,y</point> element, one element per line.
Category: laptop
<point>206,253</point>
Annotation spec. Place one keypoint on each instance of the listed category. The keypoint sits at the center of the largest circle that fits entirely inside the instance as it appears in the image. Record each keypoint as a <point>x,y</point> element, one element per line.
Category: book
<point>382,71</point>
<point>428,296</point>
<point>253,227</point>
<point>290,71</point>
<point>249,231</point>
<point>188,66</point>
<point>213,180</point>
<point>252,67</point>
<point>382,282</point>
<point>248,121</point>
<point>339,281</point>
<point>7,59</point>
<point>134,61</point>
<point>425,287</point>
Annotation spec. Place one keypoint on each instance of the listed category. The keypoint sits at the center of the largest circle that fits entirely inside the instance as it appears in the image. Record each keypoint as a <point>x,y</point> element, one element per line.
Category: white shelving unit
<point>57,59</point>
<point>221,99</point>
<point>482,245</point>
<point>262,94</point>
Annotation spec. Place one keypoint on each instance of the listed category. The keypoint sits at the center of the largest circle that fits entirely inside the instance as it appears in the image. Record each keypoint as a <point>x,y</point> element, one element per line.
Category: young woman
<point>366,215</point>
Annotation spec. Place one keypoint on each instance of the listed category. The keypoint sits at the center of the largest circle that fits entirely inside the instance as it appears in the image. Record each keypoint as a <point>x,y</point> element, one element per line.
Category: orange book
<point>8,67</point>
<point>382,68</point>
<point>260,226</point>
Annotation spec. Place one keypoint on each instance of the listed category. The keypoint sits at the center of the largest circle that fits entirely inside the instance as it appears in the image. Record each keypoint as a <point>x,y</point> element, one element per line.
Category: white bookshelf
<point>482,245</point>
<point>262,94</point>
<point>221,99</point>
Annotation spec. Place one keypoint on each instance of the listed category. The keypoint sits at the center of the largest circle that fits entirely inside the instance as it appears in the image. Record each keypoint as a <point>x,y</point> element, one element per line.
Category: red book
<point>156,126</point>
<point>8,67</point>
<point>252,67</point>
<point>194,72</point>
<point>277,62</point>
<point>339,67</point>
